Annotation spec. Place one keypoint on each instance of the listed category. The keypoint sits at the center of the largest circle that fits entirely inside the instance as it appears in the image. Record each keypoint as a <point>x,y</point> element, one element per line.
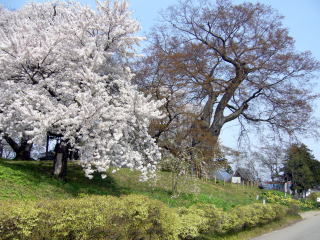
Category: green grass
<point>32,180</point>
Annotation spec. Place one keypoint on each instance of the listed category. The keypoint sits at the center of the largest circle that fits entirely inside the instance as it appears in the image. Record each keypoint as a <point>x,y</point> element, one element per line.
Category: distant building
<point>221,174</point>
<point>236,180</point>
<point>276,185</point>
<point>245,176</point>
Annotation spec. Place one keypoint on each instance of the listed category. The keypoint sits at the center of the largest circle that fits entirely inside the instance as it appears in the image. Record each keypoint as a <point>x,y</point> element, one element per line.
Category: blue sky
<point>301,17</point>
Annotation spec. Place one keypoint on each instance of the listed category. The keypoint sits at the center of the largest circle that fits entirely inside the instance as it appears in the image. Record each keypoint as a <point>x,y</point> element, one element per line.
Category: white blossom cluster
<point>62,70</point>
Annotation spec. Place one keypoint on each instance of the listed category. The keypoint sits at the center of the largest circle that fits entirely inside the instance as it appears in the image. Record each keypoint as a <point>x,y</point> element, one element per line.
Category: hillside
<point>31,180</point>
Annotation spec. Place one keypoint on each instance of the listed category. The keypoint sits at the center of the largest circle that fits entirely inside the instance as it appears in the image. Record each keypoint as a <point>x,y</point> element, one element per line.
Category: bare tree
<point>233,62</point>
<point>272,157</point>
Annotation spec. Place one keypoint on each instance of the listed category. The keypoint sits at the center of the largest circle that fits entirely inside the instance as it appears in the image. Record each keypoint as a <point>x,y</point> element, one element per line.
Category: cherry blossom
<point>63,69</point>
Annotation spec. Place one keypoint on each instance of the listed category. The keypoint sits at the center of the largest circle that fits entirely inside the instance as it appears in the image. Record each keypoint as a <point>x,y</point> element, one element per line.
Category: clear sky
<point>301,17</point>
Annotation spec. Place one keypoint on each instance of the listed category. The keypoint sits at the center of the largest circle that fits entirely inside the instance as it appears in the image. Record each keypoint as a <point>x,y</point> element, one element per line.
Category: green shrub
<point>144,218</point>
<point>249,216</point>
<point>205,218</point>
<point>253,215</point>
<point>230,222</point>
<point>217,220</point>
<point>215,217</point>
<point>280,210</point>
<point>17,222</point>
<point>292,204</point>
<point>293,209</point>
<point>133,217</point>
<point>130,217</point>
<point>192,222</point>
<point>307,204</point>
<point>313,196</point>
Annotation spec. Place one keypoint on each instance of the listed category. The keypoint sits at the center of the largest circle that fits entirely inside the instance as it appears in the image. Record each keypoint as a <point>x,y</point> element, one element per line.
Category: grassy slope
<point>22,180</point>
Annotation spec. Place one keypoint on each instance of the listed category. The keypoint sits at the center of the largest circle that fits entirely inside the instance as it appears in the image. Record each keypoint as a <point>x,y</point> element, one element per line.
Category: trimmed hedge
<point>133,217</point>
<point>129,217</point>
<point>205,218</point>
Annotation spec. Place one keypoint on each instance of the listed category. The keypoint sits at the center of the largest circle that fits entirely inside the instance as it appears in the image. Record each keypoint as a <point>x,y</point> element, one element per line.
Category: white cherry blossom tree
<point>63,71</point>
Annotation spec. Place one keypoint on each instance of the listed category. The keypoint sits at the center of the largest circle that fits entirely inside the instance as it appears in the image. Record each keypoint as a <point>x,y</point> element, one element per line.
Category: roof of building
<point>244,173</point>
<point>222,174</point>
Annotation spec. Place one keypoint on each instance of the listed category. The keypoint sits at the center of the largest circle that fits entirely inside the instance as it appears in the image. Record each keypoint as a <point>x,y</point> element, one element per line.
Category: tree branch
<point>242,108</point>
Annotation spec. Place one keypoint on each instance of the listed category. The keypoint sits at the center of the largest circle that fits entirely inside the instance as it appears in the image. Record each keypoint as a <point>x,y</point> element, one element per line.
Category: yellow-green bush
<point>217,220</point>
<point>17,222</point>
<point>293,204</point>
<point>130,217</point>
<point>242,217</point>
<point>280,198</point>
<point>192,222</point>
<point>146,219</point>
<point>258,214</point>
<point>280,210</point>
<point>215,217</point>
<point>230,222</point>
<point>205,218</point>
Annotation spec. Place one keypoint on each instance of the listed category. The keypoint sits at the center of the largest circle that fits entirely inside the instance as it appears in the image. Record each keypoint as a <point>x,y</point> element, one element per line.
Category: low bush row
<point>280,198</point>
<point>131,217</point>
<point>206,218</point>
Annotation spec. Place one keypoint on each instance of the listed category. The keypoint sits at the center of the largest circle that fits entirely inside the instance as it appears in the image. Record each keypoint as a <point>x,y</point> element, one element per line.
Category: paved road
<point>307,229</point>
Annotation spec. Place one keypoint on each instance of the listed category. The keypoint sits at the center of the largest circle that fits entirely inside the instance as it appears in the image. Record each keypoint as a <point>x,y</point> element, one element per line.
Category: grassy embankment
<point>32,180</point>
<point>23,180</point>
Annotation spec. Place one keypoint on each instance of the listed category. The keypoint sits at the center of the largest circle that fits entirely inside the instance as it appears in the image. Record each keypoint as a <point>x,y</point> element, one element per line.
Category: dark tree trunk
<point>1,148</point>
<point>47,144</point>
<point>23,151</point>
<point>61,160</point>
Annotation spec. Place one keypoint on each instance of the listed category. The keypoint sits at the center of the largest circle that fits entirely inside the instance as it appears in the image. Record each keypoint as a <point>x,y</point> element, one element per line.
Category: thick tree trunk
<point>23,151</point>
<point>61,161</point>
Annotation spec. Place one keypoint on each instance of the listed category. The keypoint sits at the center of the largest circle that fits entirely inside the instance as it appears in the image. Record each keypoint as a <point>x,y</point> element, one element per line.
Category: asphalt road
<point>307,229</point>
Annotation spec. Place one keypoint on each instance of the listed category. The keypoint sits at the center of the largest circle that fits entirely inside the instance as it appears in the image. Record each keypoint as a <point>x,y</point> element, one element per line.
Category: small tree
<point>179,167</point>
<point>271,157</point>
